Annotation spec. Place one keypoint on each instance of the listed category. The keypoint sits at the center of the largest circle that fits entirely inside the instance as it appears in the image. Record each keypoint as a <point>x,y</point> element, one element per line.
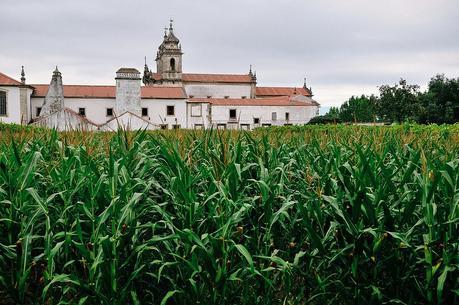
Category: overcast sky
<point>344,48</point>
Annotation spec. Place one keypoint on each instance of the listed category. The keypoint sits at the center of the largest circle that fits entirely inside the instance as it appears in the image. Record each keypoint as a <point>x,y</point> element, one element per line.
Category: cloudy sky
<point>344,48</point>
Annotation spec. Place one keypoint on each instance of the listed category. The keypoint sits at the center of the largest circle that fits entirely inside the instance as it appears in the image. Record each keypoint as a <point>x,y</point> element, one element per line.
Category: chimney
<point>128,84</point>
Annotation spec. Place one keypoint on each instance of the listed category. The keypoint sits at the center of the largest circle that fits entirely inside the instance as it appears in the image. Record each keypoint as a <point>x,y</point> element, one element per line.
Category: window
<point>170,110</point>
<point>109,112</point>
<point>172,64</point>
<point>3,103</point>
<point>144,111</point>
<point>82,111</point>
<point>274,116</point>
<point>244,97</point>
<point>266,125</point>
<point>176,126</point>
<point>37,111</point>
<point>209,96</point>
<point>256,120</point>
<point>191,96</point>
<point>163,126</point>
<point>227,96</point>
<point>196,110</point>
<point>232,114</point>
<point>287,116</point>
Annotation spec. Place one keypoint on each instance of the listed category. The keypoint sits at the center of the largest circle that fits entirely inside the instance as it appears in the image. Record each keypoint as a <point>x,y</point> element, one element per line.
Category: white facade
<point>17,106</point>
<point>13,114</point>
<point>95,108</point>
<point>250,117</point>
<point>199,115</point>
<point>166,113</point>
<point>158,112</point>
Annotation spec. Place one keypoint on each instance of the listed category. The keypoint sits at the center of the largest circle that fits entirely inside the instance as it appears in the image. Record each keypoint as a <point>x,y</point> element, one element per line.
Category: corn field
<point>291,215</point>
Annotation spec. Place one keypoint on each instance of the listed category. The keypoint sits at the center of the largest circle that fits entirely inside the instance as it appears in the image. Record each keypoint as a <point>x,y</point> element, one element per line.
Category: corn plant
<point>298,215</point>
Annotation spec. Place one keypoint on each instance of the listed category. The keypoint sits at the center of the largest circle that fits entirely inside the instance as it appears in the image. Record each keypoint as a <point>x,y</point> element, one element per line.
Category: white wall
<point>96,109</point>
<point>35,102</point>
<point>245,114</point>
<point>13,108</point>
<point>157,111</point>
<point>218,90</point>
<point>194,119</point>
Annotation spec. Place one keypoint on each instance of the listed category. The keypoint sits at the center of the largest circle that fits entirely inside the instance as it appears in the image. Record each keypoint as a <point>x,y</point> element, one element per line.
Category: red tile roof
<point>211,78</point>
<point>80,91</point>
<point>278,101</point>
<point>281,91</point>
<point>163,92</point>
<point>217,78</point>
<point>8,81</point>
<point>89,91</point>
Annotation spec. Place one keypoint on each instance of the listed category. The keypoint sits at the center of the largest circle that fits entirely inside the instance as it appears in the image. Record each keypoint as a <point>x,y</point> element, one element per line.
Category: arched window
<point>3,103</point>
<point>172,64</point>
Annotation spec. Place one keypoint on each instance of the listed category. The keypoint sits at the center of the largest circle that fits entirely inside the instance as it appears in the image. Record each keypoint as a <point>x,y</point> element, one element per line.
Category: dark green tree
<point>440,103</point>
<point>333,113</point>
<point>331,117</point>
<point>399,103</point>
<point>358,109</point>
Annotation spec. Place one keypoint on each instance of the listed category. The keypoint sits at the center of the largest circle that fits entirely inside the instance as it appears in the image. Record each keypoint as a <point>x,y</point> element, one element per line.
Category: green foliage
<point>359,109</point>
<point>289,215</point>
<point>441,101</point>
<point>331,117</point>
<point>324,119</point>
<point>333,112</point>
<point>399,103</point>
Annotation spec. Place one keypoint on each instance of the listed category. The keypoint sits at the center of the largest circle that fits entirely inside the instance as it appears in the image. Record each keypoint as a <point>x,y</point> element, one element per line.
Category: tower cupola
<point>169,58</point>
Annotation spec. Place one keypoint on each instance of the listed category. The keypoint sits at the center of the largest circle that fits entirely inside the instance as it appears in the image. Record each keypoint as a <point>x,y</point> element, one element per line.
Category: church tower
<point>169,59</point>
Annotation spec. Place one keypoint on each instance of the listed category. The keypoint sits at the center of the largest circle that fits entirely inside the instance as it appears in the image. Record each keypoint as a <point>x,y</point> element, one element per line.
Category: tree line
<point>401,102</point>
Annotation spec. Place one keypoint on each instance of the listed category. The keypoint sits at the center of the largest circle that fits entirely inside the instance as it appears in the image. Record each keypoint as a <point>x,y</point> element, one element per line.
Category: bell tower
<point>169,58</point>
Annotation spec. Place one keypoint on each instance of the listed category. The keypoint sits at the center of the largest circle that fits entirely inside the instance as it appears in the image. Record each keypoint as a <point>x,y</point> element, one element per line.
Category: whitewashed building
<point>167,99</point>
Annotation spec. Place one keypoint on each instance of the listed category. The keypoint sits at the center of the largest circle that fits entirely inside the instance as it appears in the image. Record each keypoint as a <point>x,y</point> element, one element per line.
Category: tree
<point>331,117</point>
<point>333,113</point>
<point>440,104</point>
<point>358,109</point>
<point>399,103</point>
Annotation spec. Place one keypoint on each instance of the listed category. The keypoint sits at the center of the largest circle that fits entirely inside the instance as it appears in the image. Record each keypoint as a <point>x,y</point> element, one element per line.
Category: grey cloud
<point>341,46</point>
